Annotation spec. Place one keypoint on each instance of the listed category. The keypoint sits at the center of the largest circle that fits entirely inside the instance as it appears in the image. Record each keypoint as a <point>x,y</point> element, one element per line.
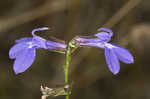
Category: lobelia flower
<point>24,51</point>
<point>113,53</point>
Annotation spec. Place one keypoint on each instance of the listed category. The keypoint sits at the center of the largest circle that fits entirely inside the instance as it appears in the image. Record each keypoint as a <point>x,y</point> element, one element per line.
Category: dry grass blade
<point>47,8</point>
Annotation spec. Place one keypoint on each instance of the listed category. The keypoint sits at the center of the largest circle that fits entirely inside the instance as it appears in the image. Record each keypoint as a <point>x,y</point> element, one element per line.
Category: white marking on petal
<point>101,44</point>
<point>30,44</point>
<point>66,86</point>
<point>110,46</point>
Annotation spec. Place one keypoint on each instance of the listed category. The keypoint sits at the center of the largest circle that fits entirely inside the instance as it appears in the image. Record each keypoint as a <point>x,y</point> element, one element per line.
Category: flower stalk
<point>25,48</point>
<point>66,69</point>
<point>68,58</point>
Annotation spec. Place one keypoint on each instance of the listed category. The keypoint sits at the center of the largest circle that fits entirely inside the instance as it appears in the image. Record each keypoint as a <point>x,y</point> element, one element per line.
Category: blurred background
<point>89,73</point>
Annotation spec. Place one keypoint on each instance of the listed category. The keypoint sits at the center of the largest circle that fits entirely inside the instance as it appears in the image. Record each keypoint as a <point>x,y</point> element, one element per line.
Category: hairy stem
<point>66,69</point>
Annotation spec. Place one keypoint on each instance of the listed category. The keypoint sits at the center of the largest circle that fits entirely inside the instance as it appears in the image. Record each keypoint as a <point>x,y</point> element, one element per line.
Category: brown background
<point>88,71</point>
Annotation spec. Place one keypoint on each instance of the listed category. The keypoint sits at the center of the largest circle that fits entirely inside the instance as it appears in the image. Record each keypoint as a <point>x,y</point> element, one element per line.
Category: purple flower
<point>24,50</point>
<point>113,53</point>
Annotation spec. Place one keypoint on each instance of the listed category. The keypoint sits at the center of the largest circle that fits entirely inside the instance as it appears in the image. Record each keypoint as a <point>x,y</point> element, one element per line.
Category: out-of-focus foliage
<point>89,73</point>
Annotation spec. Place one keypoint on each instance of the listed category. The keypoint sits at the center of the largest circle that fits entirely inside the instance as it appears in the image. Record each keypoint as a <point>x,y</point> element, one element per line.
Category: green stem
<point>66,69</point>
<point>67,97</point>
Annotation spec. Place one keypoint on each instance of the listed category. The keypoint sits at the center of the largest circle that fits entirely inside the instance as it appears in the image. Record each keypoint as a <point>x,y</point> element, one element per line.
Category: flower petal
<point>39,42</point>
<point>103,36</point>
<point>55,45</point>
<point>25,39</point>
<point>24,61</point>
<point>39,29</point>
<point>85,39</point>
<point>17,49</point>
<point>123,54</point>
<point>98,45</point>
<point>91,42</point>
<point>112,60</point>
<point>106,30</point>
